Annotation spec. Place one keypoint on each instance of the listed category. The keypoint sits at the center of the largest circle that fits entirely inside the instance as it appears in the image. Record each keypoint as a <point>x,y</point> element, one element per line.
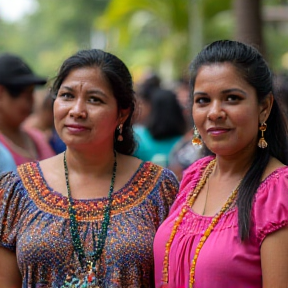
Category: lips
<point>218,130</point>
<point>76,128</point>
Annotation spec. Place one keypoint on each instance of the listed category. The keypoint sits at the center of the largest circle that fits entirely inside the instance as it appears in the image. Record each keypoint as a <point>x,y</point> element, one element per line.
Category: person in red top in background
<point>17,83</point>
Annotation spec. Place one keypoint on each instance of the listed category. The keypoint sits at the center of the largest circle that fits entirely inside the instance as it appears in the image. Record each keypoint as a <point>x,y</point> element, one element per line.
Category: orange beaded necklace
<point>189,203</point>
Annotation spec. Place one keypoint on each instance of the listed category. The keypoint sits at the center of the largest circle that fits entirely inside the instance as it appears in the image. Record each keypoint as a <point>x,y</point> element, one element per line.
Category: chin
<point>222,150</point>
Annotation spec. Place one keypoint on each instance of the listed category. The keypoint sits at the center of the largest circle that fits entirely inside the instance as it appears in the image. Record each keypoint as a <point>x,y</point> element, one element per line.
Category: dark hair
<point>166,118</point>
<point>147,86</point>
<point>253,68</point>
<point>120,80</point>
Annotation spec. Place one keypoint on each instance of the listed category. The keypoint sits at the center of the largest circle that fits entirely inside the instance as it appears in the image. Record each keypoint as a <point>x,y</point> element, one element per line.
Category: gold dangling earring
<point>196,140</point>
<point>120,129</point>
<point>262,142</point>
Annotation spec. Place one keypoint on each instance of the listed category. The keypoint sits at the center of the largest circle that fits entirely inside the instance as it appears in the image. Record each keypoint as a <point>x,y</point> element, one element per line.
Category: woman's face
<point>225,110</point>
<point>85,110</point>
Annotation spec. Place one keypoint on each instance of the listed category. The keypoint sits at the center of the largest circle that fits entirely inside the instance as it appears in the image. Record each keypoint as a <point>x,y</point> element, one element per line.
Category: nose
<point>216,111</point>
<point>78,110</point>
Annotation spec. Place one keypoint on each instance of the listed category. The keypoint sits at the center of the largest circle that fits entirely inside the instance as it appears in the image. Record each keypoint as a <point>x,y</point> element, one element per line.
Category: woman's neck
<point>227,167</point>
<point>87,161</point>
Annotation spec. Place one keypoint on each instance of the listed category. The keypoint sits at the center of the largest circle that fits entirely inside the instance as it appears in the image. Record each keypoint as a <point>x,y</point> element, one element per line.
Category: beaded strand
<point>207,233</point>
<point>189,203</point>
<point>74,230</point>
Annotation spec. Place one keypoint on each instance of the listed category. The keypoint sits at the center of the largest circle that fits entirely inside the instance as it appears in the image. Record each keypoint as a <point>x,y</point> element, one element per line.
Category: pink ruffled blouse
<point>223,260</point>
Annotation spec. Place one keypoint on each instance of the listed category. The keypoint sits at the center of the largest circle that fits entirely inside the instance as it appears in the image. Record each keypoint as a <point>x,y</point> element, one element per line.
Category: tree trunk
<point>249,23</point>
<point>195,27</point>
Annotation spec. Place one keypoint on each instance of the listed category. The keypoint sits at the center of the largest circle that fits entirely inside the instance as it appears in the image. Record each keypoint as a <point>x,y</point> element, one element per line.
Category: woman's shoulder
<point>13,183</point>
<point>195,170</point>
<point>190,179</point>
<point>18,176</point>
<point>8,179</point>
<point>274,178</point>
<point>148,169</point>
<point>270,208</point>
<point>273,165</point>
<point>153,179</point>
<point>29,177</point>
<point>163,183</point>
<point>200,163</point>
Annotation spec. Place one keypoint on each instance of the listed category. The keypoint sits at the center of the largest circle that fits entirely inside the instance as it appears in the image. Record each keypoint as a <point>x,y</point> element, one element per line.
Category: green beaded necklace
<point>78,247</point>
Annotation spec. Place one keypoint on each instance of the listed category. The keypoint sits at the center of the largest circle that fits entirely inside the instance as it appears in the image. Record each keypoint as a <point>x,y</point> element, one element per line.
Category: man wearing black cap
<point>15,72</point>
<point>17,83</point>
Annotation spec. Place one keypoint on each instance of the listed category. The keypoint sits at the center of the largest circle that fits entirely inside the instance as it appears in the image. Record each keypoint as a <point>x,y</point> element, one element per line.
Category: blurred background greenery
<point>148,35</point>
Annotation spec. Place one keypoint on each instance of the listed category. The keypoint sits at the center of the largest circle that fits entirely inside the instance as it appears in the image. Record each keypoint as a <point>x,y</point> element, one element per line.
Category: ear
<point>265,108</point>
<point>123,115</point>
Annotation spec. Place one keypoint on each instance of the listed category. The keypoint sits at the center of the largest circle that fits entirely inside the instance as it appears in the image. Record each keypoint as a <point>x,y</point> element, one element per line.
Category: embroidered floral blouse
<point>34,223</point>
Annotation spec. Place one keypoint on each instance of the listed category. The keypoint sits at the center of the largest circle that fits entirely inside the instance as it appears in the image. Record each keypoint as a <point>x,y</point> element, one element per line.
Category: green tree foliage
<point>147,34</point>
<point>55,31</point>
<point>157,33</point>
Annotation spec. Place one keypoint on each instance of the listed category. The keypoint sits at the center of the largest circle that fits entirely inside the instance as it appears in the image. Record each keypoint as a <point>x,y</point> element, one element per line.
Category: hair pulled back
<point>250,65</point>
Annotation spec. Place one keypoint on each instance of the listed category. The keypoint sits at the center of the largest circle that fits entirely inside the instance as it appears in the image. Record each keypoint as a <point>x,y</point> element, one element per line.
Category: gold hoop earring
<point>196,140</point>
<point>262,142</point>
<point>120,130</point>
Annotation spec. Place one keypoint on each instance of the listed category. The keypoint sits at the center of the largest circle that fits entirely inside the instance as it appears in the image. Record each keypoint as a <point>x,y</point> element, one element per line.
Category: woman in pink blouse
<point>228,226</point>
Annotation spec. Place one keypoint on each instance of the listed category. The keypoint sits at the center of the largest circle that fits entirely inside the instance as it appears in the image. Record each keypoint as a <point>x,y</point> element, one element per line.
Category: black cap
<point>14,71</point>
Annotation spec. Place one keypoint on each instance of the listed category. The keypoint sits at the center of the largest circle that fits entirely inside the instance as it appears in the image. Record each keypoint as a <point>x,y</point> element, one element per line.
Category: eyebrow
<point>199,93</point>
<point>93,91</point>
<point>224,91</point>
<point>234,90</point>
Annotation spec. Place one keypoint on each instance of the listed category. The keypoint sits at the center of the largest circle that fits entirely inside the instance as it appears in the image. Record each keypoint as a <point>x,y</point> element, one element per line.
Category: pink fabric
<point>223,260</point>
<point>44,150</point>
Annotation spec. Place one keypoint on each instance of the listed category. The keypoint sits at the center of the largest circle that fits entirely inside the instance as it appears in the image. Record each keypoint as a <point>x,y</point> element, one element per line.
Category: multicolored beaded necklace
<point>189,203</point>
<point>90,266</point>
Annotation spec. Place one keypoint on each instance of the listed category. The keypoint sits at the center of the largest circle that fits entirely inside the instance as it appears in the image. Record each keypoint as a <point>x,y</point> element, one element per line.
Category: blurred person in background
<point>42,119</point>
<point>165,125</point>
<point>182,91</point>
<point>143,97</point>
<point>86,217</point>
<point>17,83</point>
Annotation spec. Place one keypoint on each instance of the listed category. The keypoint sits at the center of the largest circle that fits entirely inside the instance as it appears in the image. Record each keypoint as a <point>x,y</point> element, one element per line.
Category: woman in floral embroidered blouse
<point>86,217</point>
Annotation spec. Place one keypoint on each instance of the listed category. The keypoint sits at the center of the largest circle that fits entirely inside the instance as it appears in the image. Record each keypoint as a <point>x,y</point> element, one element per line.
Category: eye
<point>65,95</point>
<point>233,98</point>
<point>201,100</point>
<point>95,100</point>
